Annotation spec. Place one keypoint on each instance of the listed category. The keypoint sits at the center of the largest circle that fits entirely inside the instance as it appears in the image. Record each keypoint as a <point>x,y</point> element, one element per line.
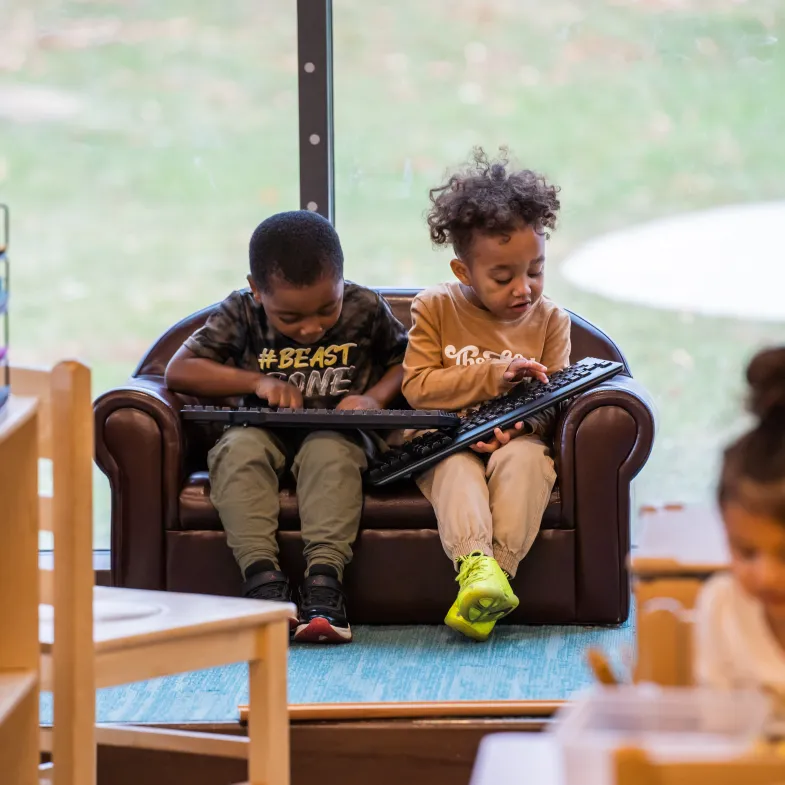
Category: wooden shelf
<point>19,651</point>
<point>15,686</point>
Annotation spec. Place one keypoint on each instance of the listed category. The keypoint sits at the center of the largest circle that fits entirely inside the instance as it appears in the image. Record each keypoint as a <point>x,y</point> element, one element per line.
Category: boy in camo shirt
<point>299,336</point>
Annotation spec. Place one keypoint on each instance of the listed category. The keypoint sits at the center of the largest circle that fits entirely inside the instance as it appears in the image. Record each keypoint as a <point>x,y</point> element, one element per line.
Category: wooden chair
<point>665,657</point>
<point>634,767</point>
<point>100,637</point>
<point>665,652</point>
<point>65,438</point>
<point>664,647</point>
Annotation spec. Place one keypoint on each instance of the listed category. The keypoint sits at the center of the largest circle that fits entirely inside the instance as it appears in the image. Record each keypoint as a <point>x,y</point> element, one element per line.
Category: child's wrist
<point>257,382</point>
<point>377,399</point>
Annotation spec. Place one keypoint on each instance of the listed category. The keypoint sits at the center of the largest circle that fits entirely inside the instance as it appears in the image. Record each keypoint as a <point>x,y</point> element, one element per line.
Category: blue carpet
<point>384,664</point>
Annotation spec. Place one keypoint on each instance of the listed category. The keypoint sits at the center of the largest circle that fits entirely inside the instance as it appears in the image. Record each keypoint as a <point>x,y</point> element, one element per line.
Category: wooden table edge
<point>418,710</point>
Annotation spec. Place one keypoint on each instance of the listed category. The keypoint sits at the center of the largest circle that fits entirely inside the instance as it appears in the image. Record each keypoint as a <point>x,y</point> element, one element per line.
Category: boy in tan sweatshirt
<point>474,339</point>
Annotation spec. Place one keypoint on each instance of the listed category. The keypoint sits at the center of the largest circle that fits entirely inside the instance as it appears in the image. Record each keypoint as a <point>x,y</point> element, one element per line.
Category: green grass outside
<point>177,132</point>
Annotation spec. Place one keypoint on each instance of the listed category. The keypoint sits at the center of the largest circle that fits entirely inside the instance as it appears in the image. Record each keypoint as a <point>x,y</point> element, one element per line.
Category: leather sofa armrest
<point>140,447</point>
<point>603,439</point>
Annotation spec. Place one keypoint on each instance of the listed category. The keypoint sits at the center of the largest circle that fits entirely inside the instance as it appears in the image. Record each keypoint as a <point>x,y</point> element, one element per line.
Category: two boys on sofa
<point>301,335</point>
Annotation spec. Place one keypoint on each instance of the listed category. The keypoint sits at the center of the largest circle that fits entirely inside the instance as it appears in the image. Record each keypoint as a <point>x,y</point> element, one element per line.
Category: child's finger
<point>484,446</point>
<point>520,368</point>
<point>501,436</point>
<point>516,370</point>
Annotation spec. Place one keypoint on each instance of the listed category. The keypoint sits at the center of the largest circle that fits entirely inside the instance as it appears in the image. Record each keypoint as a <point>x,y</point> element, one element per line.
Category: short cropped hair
<point>299,247</point>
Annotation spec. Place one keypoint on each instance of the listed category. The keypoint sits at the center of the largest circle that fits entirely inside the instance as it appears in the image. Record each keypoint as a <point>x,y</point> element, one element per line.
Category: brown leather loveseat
<point>167,535</point>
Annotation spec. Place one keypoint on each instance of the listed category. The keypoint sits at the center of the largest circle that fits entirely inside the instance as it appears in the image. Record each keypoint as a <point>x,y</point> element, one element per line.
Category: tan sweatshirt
<point>458,352</point>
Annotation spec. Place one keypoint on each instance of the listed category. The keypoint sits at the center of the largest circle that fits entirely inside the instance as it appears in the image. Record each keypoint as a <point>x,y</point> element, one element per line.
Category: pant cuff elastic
<point>465,547</point>
<point>507,560</point>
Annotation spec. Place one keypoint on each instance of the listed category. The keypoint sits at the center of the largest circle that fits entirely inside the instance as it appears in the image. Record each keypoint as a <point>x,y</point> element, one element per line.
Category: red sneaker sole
<point>320,630</point>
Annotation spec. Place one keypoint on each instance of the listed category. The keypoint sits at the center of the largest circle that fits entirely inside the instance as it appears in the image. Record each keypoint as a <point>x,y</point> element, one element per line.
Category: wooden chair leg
<point>74,750</point>
<point>268,716</point>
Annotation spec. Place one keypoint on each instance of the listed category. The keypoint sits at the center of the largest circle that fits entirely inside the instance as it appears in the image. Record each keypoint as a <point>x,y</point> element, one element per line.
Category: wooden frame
<point>346,712</point>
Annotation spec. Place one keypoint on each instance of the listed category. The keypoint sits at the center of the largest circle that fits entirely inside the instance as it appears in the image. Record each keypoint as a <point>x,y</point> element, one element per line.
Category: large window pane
<point>140,143</point>
<point>639,110</point>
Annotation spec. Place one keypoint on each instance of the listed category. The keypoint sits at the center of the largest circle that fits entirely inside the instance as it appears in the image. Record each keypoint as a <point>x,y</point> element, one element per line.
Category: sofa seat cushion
<point>396,507</point>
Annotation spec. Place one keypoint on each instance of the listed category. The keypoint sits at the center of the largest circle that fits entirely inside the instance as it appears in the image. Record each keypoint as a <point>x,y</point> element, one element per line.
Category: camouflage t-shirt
<point>349,358</point>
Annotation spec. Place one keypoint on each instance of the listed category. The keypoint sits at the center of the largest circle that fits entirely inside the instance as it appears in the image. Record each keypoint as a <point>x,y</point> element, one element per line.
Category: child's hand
<point>500,438</point>
<point>279,393</point>
<point>358,402</point>
<point>519,369</point>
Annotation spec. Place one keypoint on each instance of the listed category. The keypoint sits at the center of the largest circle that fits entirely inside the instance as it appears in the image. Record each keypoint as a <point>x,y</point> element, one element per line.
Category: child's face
<point>302,313</point>
<point>505,272</point>
<point>757,546</point>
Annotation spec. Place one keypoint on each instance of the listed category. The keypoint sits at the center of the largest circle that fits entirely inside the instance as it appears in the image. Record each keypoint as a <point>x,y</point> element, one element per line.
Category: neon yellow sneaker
<point>479,631</point>
<point>485,593</point>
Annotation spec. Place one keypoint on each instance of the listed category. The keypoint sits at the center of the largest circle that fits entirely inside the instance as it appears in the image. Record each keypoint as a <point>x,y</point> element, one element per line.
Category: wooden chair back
<point>66,438</point>
<point>37,383</point>
<point>665,656</point>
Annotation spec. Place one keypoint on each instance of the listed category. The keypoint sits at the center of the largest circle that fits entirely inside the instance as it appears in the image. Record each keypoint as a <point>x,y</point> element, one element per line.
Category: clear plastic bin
<point>670,724</point>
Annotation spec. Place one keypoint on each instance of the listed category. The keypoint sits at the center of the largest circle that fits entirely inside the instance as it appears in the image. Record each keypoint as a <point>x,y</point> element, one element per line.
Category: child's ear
<point>254,289</point>
<point>461,272</point>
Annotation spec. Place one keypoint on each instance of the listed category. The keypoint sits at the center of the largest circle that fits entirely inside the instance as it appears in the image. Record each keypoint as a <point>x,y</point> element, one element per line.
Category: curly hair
<point>486,197</point>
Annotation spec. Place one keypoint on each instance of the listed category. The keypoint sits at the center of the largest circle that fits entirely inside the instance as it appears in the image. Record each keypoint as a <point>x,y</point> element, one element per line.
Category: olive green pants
<point>245,469</point>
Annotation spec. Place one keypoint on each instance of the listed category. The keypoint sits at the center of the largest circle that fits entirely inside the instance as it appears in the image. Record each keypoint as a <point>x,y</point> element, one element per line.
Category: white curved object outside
<point>728,261</point>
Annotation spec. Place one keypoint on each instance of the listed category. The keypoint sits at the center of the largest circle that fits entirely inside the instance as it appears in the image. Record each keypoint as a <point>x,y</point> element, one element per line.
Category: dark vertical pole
<point>315,82</point>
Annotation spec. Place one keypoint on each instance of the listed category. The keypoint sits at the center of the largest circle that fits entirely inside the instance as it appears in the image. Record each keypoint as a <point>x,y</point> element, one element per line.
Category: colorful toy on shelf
<point>5,382</point>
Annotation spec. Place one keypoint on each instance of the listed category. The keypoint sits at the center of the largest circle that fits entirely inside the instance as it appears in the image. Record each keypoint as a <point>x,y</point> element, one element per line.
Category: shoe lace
<point>474,567</point>
<point>322,595</point>
<point>275,590</point>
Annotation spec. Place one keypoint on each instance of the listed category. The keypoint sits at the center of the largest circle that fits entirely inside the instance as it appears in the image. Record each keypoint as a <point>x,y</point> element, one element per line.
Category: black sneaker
<point>271,585</point>
<point>322,608</point>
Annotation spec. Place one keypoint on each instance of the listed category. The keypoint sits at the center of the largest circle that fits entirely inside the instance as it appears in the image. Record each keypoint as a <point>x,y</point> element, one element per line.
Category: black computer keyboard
<point>369,419</point>
<point>478,424</point>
